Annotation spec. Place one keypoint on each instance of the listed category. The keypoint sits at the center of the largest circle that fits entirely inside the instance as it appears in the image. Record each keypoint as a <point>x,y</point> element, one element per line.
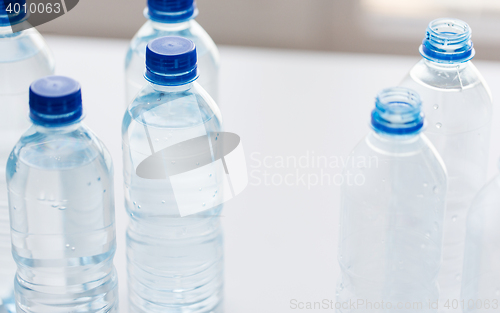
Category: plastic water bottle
<point>458,105</point>
<point>174,250</point>
<point>481,275</point>
<point>392,212</point>
<point>24,57</point>
<point>60,182</point>
<point>172,18</point>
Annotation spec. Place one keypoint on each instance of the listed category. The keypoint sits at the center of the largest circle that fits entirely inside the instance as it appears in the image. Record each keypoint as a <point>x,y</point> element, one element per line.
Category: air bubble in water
<point>73,248</point>
<point>162,201</point>
<point>62,208</point>
<point>439,125</point>
<point>67,245</point>
<point>436,106</point>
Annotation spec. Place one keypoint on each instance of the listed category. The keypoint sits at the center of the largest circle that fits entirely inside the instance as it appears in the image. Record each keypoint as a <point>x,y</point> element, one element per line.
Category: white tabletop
<point>280,239</point>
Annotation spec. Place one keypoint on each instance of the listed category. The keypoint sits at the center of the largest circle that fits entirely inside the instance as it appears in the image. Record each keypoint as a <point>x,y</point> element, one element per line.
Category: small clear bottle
<point>457,103</point>
<point>481,274</point>
<point>172,18</point>
<point>174,249</point>
<point>392,212</point>
<point>24,57</point>
<point>60,182</point>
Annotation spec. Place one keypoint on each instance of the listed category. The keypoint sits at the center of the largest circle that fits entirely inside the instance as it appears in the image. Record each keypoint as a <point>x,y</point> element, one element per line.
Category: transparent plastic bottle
<point>175,260</point>
<point>172,18</point>
<point>24,57</point>
<point>481,274</point>
<point>60,182</point>
<point>392,211</point>
<point>458,105</point>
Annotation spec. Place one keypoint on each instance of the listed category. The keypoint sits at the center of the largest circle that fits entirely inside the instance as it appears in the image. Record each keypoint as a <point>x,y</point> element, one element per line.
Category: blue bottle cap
<point>171,61</point>
<point>448,41</point>
<point>55,100</point>
<point>12,12</point>
<point>171,11</point>
<point>398,111</point>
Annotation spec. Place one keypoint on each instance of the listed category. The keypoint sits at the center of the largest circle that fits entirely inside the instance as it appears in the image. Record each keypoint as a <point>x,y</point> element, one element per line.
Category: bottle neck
<point>6,31</point>
<point>388,138</point>
<point>60,129</point>
<point>171,89</point>
<point>171,27</point>
<point>446,66</point>
<point>396,145</point>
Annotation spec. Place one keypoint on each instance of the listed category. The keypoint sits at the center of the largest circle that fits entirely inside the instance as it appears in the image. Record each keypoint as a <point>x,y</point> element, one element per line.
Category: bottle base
<point>102,298</point>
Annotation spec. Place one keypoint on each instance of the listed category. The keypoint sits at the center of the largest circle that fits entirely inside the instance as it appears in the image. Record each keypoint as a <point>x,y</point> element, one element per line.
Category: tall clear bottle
<point>458,105</point>
<point>481,275</point>
<point>60,182</point>
<point>392,212</point>
<point>24,57</point>
<point>171,18</point>
<point>173,187</point>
